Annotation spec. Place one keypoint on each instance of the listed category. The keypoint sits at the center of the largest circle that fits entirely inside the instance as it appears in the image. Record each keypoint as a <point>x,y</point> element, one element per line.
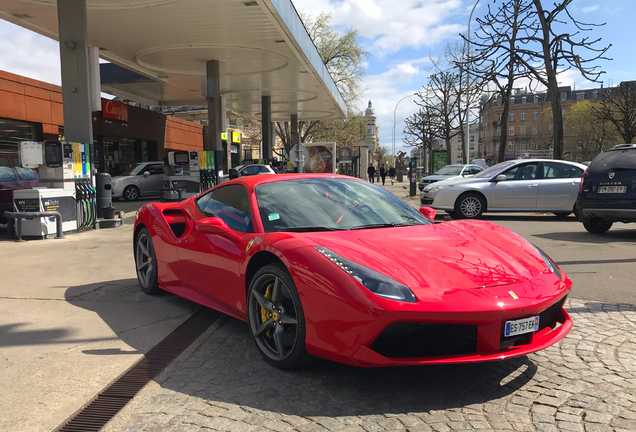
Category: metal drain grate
<point>95,414</point>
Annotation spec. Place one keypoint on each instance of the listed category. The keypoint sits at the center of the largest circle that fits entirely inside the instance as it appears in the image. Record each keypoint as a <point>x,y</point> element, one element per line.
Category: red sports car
<point>335,267</point>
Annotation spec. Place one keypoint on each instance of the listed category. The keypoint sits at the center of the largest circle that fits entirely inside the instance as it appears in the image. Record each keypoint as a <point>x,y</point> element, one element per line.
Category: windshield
<point>134,170</point>
<point>449,170</point>
<point>323,204</point>
<point>615,160</point>
<point>494,170</point>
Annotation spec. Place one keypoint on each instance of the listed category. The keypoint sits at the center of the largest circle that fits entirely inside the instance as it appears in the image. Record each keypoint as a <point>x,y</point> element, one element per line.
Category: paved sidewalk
<point>587,382</point>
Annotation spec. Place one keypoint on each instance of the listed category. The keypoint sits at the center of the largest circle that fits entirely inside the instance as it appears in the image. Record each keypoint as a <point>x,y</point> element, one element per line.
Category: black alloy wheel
<point>596,225</point>
<point>131,193</point>
<point>146,263</point>
<point>470,206</point>
<point>276,318</point>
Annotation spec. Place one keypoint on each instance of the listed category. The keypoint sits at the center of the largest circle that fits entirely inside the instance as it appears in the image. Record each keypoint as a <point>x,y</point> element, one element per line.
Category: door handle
<point>533,185</point>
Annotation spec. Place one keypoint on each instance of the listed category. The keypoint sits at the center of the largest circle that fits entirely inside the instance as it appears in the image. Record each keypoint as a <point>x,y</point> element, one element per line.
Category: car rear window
<point>615,160</point>
<point>6,170</point>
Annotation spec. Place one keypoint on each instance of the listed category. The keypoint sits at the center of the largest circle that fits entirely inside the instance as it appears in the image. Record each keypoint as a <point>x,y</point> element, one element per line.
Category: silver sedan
<point>528,185</point>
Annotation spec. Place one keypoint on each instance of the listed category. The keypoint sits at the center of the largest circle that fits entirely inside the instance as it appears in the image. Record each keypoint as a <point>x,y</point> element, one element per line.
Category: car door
<point>559,186</point>
<point>520,190</point>
<point>210,261</point>
<point>150,184</point>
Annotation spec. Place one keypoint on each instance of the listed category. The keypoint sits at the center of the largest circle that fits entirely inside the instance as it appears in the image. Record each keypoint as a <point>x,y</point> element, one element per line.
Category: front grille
<point>416,339</point>
<point>547,318</point>
<point>426,201</point>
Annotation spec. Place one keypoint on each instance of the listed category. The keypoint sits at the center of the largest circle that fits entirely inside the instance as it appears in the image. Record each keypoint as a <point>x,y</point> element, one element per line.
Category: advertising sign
<point>321,158</point>
<point>439,160</point>
<point>236,137</point>
<point>114,110</point>
<point>345,154</point>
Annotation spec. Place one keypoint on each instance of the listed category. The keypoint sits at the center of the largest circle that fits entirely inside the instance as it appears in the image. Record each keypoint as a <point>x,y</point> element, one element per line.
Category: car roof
<point>253,181</point>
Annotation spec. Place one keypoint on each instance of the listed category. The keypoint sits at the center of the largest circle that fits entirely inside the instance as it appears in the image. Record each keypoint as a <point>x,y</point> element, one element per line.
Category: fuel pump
<point>196,173</point>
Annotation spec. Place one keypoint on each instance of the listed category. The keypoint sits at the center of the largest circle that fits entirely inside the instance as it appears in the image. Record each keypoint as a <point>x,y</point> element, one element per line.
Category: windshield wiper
<point>309,229</point>
<point>380,225</point>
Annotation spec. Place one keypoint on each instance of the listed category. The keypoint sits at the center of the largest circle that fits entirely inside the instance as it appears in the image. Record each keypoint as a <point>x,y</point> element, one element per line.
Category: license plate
<point>612,189</point>
<point>522,326</point>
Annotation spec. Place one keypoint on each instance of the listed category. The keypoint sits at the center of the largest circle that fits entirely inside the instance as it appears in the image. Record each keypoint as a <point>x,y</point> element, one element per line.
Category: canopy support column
<point>268,127</point>
<point>215,116</point>
<point>76,92</point>
<point>295,136</point>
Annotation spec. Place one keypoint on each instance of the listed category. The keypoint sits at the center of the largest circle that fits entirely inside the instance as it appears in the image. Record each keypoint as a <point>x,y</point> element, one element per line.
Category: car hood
<point>432,259</point>
<point>437,177</point>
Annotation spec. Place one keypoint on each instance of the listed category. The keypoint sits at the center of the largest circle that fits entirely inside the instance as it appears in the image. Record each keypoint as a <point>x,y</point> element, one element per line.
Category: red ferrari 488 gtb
<point>336,267</point>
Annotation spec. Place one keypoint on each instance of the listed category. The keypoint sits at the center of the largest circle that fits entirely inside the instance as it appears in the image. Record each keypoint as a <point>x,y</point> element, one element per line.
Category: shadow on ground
<point>585,237</point>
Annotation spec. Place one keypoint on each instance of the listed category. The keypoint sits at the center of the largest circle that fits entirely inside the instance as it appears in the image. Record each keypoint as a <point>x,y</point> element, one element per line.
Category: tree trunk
<point>448,151</point>
<point>501,156</point>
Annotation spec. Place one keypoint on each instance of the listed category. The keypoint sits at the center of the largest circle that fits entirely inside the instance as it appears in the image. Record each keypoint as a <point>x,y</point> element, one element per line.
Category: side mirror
<point>428,213</point>
<point>216,225</point>
<point>501,177</point>
<point>146,173</point>
<point>234,174</point>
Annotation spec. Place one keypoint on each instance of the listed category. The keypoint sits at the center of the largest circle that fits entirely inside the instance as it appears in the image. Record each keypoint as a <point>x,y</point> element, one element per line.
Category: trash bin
<point>104,193</point>
<point>400,176</point>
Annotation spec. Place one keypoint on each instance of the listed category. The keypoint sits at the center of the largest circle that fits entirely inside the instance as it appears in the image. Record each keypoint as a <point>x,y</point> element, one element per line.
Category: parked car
<point>250,170</point>
<point>143,180</point>
<point>608,190</point>
<point>13,177</point>
<point>519,185</point>
<point>450,172</point>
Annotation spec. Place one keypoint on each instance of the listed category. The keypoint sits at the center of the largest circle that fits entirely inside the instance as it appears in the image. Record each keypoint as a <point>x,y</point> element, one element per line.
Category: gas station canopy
<point>262,46</point>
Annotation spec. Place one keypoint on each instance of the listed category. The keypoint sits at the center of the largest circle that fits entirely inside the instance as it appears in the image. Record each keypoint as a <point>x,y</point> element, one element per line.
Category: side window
<point>555,170</point>
<point>23,173</point>
<point>264,169</point>
<point>154,169</point>
<point>523,172</point>
<point>250,170</point>
<point>6,170</point>
<point>575,172</point>
<point>231,204</point>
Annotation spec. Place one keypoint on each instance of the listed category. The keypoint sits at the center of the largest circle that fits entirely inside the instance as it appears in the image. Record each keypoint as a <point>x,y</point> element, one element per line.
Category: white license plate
<point>612,189</point>
<point>522,326</point>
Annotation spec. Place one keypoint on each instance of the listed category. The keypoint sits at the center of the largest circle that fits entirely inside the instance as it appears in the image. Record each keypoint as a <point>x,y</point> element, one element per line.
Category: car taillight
<point>582,180</point>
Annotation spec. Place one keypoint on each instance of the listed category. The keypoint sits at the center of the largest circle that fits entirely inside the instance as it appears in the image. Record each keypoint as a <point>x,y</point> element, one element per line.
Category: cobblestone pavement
<point>587,382</point>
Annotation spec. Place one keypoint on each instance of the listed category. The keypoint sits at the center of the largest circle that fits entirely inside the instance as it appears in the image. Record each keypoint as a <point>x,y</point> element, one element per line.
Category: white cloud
<point>390,25</point>
<point>589,9</point>
<point>29,54</point>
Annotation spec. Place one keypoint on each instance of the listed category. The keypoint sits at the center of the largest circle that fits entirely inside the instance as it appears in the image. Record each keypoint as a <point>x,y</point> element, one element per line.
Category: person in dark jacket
<point>392,174</point>
<point>371,173</point>
<point>383,174</point>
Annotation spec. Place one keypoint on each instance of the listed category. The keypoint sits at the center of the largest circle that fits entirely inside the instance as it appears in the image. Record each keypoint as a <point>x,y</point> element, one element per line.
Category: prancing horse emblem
<point>612,175</point>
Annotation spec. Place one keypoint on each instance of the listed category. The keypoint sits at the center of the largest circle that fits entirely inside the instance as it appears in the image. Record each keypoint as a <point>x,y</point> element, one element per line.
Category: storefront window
<point>12,132</point>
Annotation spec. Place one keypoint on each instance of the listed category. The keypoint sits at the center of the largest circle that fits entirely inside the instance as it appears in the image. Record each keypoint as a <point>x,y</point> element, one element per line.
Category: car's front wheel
<point>146,263</point>
<point>470,206</point>
<point>131,193</point>
<point>276,319</point>
<point>597,225</point>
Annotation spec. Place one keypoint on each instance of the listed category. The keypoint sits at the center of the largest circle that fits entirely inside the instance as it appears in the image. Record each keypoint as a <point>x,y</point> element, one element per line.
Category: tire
<point>597,225</point>
<point>131,193</point>
<point>470,206</point>
<point>146,263</point>
<point>281,342</point>
<point>562,215</point>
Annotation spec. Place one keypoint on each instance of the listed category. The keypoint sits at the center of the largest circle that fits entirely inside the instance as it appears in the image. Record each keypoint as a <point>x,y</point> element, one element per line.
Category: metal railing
<point>18,216</point>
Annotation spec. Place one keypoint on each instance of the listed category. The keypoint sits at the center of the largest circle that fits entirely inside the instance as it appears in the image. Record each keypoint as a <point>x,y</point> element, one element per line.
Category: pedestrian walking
<point>371,173</point>
<point>392,174</point>
<point>383,174</point>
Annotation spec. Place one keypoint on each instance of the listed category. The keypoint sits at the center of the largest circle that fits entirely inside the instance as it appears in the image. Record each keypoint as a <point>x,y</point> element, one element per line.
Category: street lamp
<point>468,85</point>
<point>394,118</point>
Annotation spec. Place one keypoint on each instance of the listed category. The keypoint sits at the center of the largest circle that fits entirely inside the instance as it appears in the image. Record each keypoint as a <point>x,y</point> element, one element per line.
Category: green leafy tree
<point>594,132</point>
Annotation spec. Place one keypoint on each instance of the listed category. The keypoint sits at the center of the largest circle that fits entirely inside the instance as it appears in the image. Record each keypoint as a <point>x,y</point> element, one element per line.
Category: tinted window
<point>6,170</point>
<point>155,169</point>
<point>264,169</point>
<point>555,170</point>
<point>575,172</point>
<point>472,170</point>
<point>523,172</point>
<point>231,204</point>
<point>333,204</point>
<point>23,173</point>
<point>615,160</point>
<point>250,170</point>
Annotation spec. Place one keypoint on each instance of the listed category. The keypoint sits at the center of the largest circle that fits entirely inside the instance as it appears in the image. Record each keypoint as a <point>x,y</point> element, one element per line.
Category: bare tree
<point>620,110</point>
<point>420,132</point>
<point>379,156</point>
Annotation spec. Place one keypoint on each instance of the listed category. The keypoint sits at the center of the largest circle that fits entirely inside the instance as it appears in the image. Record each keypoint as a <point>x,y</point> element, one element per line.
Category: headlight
<point>551,264</point>
<point>375,282</point>
<point>439,188</point>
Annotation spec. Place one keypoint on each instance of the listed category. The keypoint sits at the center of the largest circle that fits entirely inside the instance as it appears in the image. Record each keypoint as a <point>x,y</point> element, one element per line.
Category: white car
<point>529,185</point>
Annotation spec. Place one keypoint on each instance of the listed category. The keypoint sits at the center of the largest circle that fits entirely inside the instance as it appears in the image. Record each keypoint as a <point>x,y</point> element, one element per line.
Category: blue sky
<point>401,36</point>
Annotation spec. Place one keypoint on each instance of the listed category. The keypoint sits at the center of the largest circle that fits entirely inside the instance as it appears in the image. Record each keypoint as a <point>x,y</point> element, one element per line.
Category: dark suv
<point>13,177</point>
<point>608,189</point>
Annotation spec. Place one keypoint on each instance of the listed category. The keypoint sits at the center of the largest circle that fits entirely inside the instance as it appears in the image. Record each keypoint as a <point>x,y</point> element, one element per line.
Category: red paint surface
<point>460,272</point>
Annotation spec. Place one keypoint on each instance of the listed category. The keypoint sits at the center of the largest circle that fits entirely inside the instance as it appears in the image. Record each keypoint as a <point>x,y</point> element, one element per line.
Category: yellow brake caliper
<point>265,312</point>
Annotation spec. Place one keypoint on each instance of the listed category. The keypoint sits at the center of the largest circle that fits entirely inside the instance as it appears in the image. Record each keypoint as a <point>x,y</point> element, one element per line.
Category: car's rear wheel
<point>470,206</point>
<point>276,319</point>
<point>146,263</point>
<point>597,225</point>
<point>131,193</point>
